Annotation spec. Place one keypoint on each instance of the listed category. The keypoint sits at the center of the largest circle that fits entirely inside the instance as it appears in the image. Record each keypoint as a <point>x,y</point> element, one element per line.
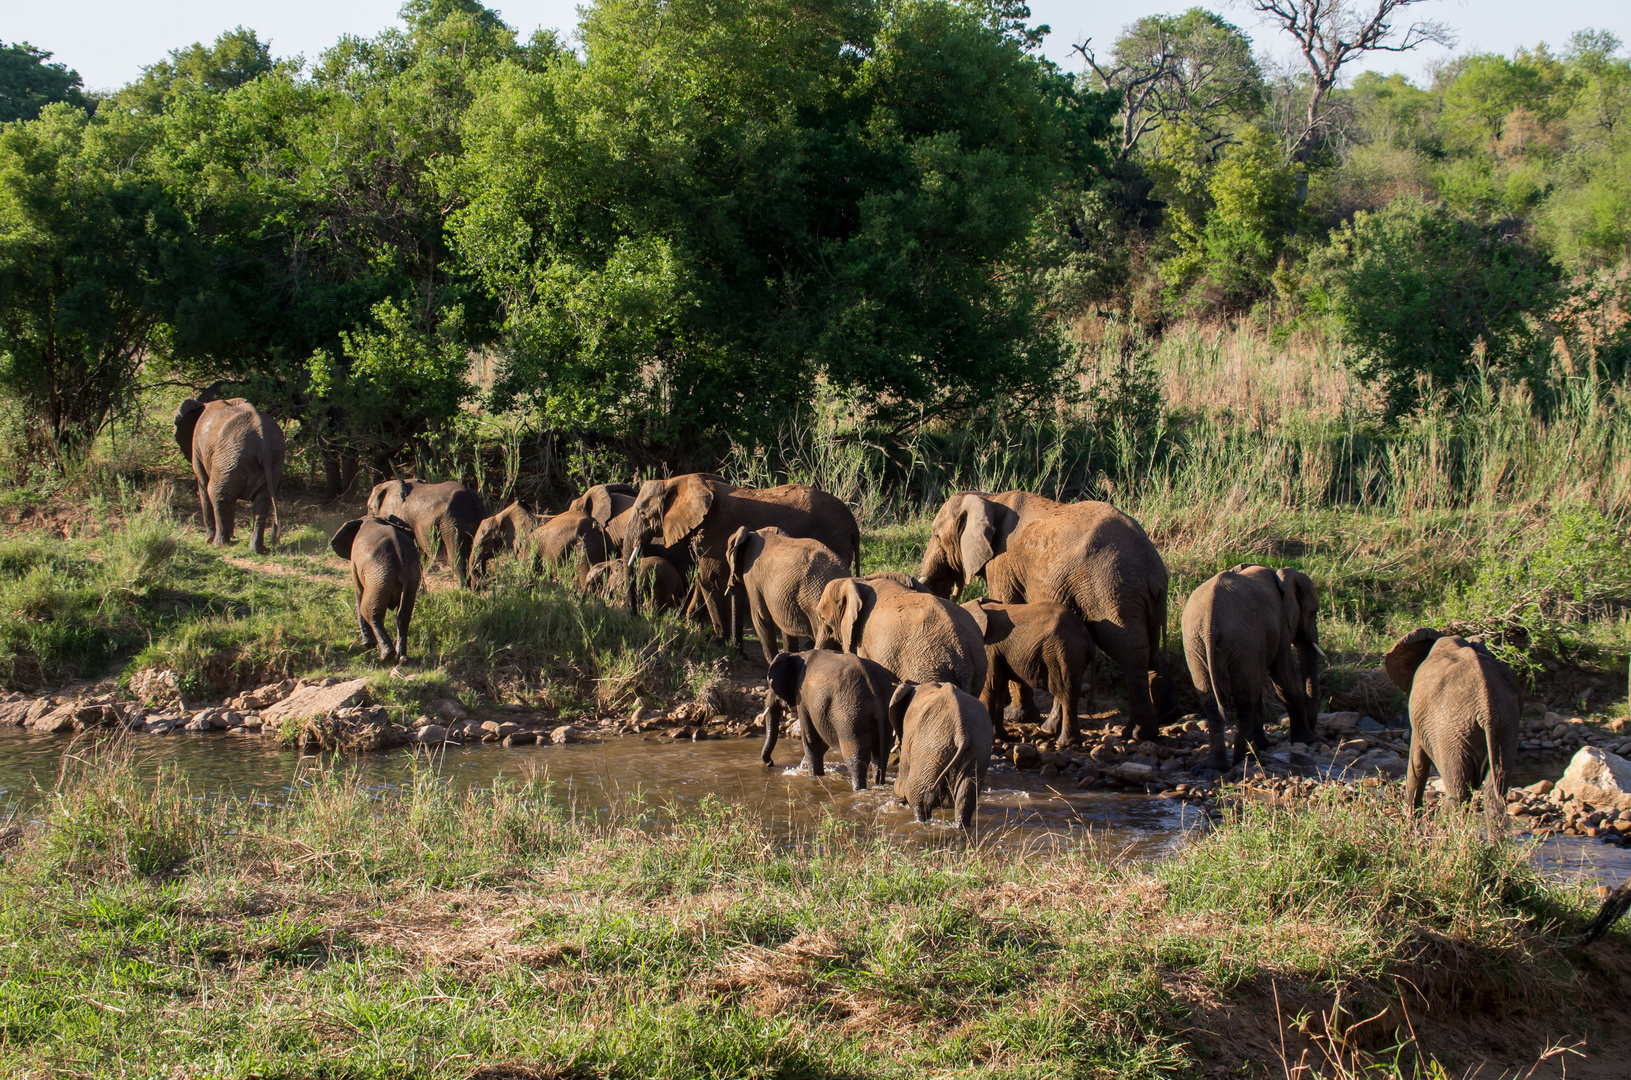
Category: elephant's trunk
<point>773,715</point>
<point>1308,654</point>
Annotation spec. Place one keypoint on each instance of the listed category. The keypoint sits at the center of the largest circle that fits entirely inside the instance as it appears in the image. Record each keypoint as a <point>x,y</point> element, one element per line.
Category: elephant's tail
<point>277,529</point>
<point>1213,678</point>
<point>1495,785</point>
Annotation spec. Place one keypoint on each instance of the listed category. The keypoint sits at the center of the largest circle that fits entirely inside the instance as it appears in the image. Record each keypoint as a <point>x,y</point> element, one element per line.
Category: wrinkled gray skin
<point>444,517</point>
<point>1033,645</point>
<point>236,452</point>
<point>1465,710</point>
<point>508,530</point>
<point>945,745</point>
<point>919,637</point>
<point>1088,556</point>
<point>570,533</point>
<point>841,701</point>
<point>609,505</point>
<point>779,579</point>
<point>702,511</point>
<point>654,586</point>
<point>385,574</point>
<point>1243,628</point>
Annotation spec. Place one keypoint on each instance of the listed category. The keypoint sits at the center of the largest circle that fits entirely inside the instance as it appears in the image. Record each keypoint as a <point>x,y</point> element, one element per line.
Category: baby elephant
<point>1465,707</point>
<point>385,571</point>
<point>781,577</point>
<point>842,701</point>
<point>654,586</point>
<point>1242,628</point>
<point>945,745</point>
<point>1033,645</point>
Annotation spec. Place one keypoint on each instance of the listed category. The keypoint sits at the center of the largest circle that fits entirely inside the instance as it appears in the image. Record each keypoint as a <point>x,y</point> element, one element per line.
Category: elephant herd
<point>876,661</point>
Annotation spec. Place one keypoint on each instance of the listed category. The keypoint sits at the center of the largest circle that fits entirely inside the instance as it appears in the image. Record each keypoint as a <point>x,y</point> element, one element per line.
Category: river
<point>1020,812</point>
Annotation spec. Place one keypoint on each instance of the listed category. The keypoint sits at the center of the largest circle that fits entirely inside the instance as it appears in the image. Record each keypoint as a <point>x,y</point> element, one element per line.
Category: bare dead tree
<point>1193,68</point>
<point>1332,33</point>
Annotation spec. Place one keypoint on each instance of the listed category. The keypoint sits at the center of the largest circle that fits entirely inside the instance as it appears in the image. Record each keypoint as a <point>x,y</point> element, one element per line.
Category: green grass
<point>424,933</point>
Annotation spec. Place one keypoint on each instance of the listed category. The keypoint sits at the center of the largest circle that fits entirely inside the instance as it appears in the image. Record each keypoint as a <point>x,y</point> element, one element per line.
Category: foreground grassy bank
<point>496,933</point>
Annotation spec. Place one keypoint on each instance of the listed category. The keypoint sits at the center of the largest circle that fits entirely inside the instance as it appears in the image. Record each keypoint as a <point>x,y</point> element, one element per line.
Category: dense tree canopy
<point>704,216</point>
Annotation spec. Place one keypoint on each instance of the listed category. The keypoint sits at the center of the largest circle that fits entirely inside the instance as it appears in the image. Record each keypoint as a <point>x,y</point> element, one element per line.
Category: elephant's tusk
<point>1319,650</point>
<point>634,556</point>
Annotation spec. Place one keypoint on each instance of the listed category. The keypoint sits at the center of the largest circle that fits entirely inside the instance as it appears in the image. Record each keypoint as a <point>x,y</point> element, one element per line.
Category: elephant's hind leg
<point>226,513</point>
<point>404,616</point>
<point>1415,777</point>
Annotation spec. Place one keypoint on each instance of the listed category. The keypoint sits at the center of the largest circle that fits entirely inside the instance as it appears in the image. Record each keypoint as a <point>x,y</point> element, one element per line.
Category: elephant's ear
<point>899,702</point>
<point>1407,655</point>
<point>1300,600</point>
<point>850,598</point>
<point>688,502</point>
<point>598,505</point>
<point>376,496</point>
<point>621,489</point>
<point>736,554</point>
<point>187,414</point>
<point>976,608</point>
<point>786,676</point>
<point>506,525</point>
<point>345,537</point>
<point>977,530</point>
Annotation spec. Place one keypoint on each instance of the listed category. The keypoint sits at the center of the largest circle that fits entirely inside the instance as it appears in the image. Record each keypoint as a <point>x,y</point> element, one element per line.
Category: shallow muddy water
<point>1021,812</point>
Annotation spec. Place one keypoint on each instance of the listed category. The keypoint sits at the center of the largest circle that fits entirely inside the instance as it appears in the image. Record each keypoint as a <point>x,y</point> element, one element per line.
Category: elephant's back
<point>1092,557</point>
<point>385,545</point>
<point>924,638</point>
<point>799,510</point>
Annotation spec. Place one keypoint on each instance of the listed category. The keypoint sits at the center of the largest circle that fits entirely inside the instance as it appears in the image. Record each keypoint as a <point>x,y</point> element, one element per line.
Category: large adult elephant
<point>608,505</point>
<point>702,511</point>
<point>1242,628</point>
<point>1088,556</point>
<point>443,516</point>
<point>1465,713</point>
<point>236,452</point>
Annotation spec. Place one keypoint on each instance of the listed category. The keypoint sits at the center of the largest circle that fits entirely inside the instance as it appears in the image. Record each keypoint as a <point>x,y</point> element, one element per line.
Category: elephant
<point>1088,556</point>
<point>1033,645</point>
<point>511,528</point>
<point>703,511</point>
<point>655,583</point>
<point>558,536</point>
<point>1465,715</point>
<point>841,701</point>
<point>779,579</point>
<point>385,573</point>
<point>1243,627</point>
<point>443,516</point>
<point>236,452</point>
<point>945,746</point>
<point>918,636</point>
<point>609,505</point>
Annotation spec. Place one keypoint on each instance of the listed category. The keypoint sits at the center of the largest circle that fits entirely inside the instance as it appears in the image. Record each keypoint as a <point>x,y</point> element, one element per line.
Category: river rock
<point>1598,778</point>
<point>1367,723</point>
<point>1131,772</point>
<point>1026,756</point>
<point>1339,722</point>
<point>58,721</point>
<point>1540,787</point>
<point>19,711</point>
<point>262,696</point>
<point>566,733</point>
<point>518,738</point>
<point>431,733</point>
<point>199,723</point>
<point>310,701</point>
<point>450,709</point>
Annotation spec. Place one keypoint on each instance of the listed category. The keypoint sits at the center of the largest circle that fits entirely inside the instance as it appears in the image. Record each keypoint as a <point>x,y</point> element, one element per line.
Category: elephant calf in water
<point>385,572</point>
<point>945,745</point>
<point>1033,645</point>
<point>841,701</point>
<point>1243,628</point>
<point>1465,709</point>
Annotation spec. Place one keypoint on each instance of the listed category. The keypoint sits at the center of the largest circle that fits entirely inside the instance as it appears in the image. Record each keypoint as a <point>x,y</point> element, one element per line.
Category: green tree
<point>1421,293</point>
<point>235,58</point>
<point>29,82</point>
<point>722,204</point>
<point>1254,211</point>
<point>96,267</point>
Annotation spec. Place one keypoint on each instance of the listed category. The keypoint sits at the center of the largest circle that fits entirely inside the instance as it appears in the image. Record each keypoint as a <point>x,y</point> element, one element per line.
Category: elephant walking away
<point>1243,628</point>
<point>841,701</point>
<point>1465,709</point>
<point>779,579</point>
<point>652,586</point>
<point>945,746</point>
<point>385,574</point>
<point>702,511</point>
<point>1033,645</point>
<point>236,452</point>
<point>918,636</point>
<point>442,516</point>
<point>1088,556</point>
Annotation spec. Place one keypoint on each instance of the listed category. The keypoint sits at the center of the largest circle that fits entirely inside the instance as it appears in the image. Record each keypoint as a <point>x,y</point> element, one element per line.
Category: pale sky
<point>108,41</point>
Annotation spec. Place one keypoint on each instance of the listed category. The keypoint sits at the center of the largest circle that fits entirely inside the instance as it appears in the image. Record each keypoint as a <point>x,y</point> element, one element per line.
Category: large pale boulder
<point>1598,778</point>
<point>310,701</point>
